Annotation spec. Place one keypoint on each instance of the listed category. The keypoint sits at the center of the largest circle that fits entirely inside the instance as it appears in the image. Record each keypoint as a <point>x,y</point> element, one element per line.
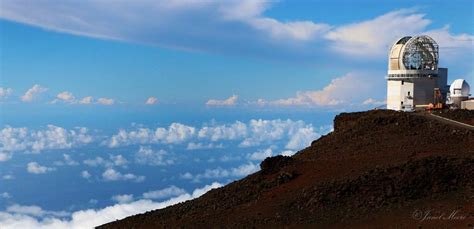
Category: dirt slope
<point>380,168</point>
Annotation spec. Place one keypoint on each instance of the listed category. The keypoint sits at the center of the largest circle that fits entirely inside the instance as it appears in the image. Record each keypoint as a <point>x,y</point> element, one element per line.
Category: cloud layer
<point>34,141</point>
<point>236,27</point>
<point>254,133</point>
<point>20,216</point>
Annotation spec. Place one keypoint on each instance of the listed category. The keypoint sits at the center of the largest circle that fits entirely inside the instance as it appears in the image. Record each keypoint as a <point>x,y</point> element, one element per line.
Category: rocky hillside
<point>381,168</point>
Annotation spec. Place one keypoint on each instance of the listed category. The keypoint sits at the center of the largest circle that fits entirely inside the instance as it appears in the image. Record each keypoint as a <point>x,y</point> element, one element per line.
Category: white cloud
<point>199,145</point>
<point>453,46</point>
<point>261,155</point>
<point>330,95</point>
<point>5,195</point>
<point>105,101</point>
<point>66,97</point>
<point>245,169</point>
<point>32,92</point>
<point>214,133</point>
<point>147,156</point>
<point>86,100</point>
<point>35,168</point>
<point>296,30</point>
<point>18,216</point>
<point>118,160</point>
<point>53,137</point>
<point>201,191</point>
<point>217,173</point>
<point>123,199</point>
<point>372,38</point>
<point>168,192</point>
<point>176,133</point>
<point>371,101</point>
<point>5,92</point>
<point>114,160</point>
<point>226,158</point>
<point>288,153</point>
<point>151,101</point>
<point>162,22</point>
<point>85,174</point>
<point>233,27</point>
<point>95,162</point>
<point>341,92</point>
<point>67,161</point>
<point>267,131</point>
<point>187,176</point>
<point>226,102</point>
<point>8,177</point>
<point>5,156</point>
<point>33,210</point>
<point>254,133</point>
<point>302,138</point>
<point>111,174</point>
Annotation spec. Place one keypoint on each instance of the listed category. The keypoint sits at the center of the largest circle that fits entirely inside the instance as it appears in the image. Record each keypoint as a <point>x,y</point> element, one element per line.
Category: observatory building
<point>413,74</point>
<point>459,95</point>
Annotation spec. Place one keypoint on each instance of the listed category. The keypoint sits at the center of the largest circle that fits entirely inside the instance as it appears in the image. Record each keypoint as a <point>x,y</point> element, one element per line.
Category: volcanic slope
<point>378,168</point>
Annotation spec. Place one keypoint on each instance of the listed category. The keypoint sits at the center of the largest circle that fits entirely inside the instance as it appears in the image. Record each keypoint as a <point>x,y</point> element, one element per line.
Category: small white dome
<point>459,88</point>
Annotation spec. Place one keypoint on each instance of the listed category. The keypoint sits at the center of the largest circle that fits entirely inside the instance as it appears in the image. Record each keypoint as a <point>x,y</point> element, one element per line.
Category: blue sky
<point>106,107</point>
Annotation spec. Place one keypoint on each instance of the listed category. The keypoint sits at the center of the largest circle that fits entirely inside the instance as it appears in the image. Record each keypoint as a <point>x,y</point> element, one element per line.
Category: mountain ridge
<point>381,167</point>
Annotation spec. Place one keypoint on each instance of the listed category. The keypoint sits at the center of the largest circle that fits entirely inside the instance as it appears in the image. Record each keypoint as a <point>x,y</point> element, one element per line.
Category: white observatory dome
<point>459,88</point>
<point>414,53</point>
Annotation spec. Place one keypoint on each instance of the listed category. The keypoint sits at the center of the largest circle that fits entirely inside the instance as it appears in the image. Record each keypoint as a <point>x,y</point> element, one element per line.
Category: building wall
<point>393,94</point>
<point>442,82</point>
<point>424,91</point>
<point>468,104</point>
<point>406,94</point>
<point>399,94</point>
<point>457,101</point>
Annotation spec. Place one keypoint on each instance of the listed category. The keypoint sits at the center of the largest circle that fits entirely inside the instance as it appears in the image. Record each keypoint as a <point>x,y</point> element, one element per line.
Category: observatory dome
<point>459,88</point>
<point>414,53</point>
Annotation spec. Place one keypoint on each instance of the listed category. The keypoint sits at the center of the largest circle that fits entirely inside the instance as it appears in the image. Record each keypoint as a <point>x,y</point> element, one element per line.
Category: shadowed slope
<point>377,167</point>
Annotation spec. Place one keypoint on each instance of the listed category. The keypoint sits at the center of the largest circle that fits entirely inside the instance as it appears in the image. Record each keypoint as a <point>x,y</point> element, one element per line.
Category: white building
<point>413,73</point>
<point>459,95</point>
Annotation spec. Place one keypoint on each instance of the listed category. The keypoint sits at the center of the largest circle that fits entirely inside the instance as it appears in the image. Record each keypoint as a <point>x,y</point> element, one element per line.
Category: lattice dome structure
<point>419,53</point>
<point>413,73</point>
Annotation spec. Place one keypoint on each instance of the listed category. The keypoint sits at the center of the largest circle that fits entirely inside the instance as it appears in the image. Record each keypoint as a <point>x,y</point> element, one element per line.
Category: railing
<point>405,76</point>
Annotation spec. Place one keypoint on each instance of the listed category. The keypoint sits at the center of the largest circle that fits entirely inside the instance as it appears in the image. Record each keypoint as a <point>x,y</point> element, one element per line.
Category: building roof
<point>459,88</point>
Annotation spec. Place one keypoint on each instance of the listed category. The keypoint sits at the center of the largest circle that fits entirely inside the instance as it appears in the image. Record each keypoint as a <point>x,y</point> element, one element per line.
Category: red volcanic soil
<point>380,168</point>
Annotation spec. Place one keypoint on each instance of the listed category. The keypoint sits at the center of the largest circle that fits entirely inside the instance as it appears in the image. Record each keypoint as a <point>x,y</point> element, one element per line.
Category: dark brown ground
<point>460,115</point>
<point>378,169</point>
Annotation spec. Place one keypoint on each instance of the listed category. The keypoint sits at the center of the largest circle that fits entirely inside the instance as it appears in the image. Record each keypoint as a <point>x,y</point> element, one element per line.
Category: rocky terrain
<point>464,116</point>
<point>380,168</point>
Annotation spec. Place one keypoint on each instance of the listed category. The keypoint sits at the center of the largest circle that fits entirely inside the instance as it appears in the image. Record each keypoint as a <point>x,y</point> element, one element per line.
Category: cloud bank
<point>34,141</point>
<point>229,27</point>
<point>19,216</point>
<point>254,133</point>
